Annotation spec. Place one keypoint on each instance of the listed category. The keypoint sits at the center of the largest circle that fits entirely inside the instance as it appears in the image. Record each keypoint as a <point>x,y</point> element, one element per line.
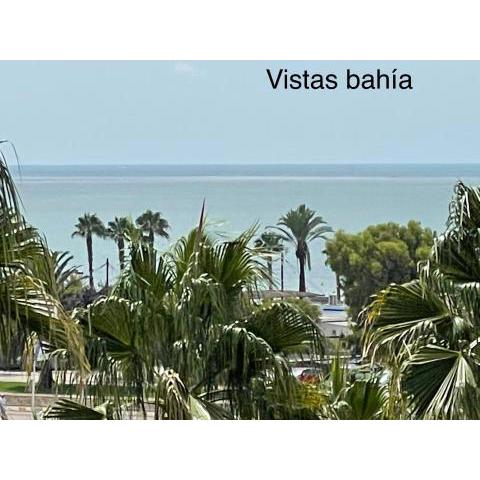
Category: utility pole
<point>108,267</point>
<point>281,270</point>
<point>34,374</point>
<point>37,348</point>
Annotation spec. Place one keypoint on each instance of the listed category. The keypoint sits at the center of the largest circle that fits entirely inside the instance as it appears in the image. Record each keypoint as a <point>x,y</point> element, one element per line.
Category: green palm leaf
<point>438,379</point>
<point>65,409</point>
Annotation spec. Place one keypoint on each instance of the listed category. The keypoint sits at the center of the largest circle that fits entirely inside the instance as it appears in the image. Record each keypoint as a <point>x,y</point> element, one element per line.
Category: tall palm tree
<point>88,226</point>
<point>301,226</point>
<point>152,223</point>
<point>270,243</point>
<point>118,230</point>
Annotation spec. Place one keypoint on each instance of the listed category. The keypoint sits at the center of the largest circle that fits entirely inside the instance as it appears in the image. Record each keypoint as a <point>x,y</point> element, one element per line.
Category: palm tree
<point>60,278</point>
<point>118,230</point>
<point>427,331</point>
<point>152,223</point>
<point>30,310</point>
<point>299,227</point>
<point>185,328</point>
<point>88,226</point>
<point>182,330</point>
<point>270,243</point>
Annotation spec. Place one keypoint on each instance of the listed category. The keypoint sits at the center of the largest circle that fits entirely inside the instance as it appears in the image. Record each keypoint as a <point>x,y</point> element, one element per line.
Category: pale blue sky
<point>226,112</point>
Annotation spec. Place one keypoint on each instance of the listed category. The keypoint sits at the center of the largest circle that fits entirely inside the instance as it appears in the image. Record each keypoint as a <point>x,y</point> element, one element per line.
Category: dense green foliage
<point>370,260</point>
<point>180,335</point>
<point>32,282</point>
<point>427,331</point>
<point>182,330</point>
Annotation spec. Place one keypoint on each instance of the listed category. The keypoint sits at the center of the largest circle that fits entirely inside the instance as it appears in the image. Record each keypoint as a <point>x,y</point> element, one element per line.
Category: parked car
<point>310,375</point>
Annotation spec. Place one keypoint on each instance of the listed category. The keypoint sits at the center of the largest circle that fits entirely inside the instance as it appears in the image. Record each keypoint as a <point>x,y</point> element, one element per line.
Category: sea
<point>237,197</point>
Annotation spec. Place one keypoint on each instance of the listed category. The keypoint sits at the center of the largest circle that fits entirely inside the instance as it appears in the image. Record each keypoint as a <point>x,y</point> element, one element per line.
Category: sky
<point>74,113</point>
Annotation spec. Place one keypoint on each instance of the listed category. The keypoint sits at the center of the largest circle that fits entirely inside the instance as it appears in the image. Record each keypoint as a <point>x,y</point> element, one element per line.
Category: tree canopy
<point>368,261</point>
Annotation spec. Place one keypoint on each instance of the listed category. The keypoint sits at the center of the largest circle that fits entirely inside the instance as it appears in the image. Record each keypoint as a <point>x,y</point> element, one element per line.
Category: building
<point>334,322</point>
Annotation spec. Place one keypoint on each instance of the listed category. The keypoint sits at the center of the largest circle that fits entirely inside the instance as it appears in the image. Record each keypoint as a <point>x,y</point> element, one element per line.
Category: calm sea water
<point>349,197</point>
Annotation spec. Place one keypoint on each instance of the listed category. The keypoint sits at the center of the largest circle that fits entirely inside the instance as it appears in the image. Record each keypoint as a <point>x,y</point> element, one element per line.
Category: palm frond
<point>65,409</point>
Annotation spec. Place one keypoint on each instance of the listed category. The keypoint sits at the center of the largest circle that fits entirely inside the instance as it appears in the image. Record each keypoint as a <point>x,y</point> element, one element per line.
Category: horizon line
<point>21,164</point>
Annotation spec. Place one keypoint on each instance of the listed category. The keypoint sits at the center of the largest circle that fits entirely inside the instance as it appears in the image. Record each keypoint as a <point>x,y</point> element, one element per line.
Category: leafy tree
<point>152,223</point>
<point>368,261</point>
<point>89,225</point>
<point>301,226</point>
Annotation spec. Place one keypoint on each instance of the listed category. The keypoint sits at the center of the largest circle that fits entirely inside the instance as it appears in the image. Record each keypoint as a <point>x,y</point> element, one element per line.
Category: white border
<point>248,29</point>
<point>222,29</point>
<point>239,450</point>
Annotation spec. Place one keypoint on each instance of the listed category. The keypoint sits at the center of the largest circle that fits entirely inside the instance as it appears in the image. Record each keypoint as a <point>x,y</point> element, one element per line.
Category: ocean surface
<point>349,197</point>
